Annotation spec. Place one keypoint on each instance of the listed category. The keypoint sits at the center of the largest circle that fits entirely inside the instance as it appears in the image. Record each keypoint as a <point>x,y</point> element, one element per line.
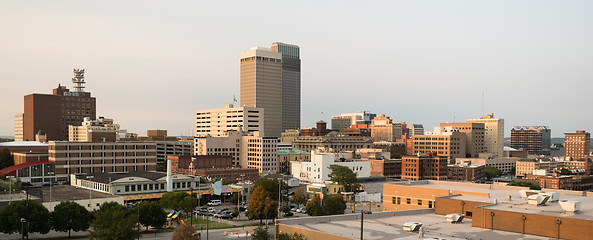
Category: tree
<point>234,197</point>
<point>531,186</point>
<point>68,216</point>
<point>345,177</point>
<point>284,209</point>
<point>492,172</point>
<point>294,236</point>
<point>173,200</point>
<point>152,214</point>
<point>114,221</point>
<point>184,232</point>
<point>261,233</point>
<point>314,207</point>
<point>6,159</point>
<point>271,185</point>
<point>334,205</point>
<point>10,217</point>
<point>565,171</point>
<point>299,197</point>
<point>261,205</point>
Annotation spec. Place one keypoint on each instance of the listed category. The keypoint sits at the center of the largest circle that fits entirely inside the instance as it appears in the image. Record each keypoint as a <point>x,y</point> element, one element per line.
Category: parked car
<point>227,216</point>
<point>287,214</point>
<point>241,208</point>
<point>214,203</point>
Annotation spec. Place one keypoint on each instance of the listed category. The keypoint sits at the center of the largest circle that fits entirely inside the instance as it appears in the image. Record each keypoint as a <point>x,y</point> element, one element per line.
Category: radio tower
<point>78,80</point>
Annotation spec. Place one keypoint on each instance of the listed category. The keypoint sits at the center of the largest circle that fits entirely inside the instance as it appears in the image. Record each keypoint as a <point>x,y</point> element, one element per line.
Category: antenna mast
<point>78,80</point>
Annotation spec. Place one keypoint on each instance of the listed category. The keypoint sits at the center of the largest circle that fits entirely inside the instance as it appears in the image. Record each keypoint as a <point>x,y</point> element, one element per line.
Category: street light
<point>362,222</point>
<point>51,182</point>
<point>90,191</point>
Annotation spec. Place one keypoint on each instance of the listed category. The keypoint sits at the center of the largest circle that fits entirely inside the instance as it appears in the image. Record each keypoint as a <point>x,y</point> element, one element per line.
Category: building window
<point>408,201</point>
<point>468,213</point>
<point>399,200</point>
<point>127,189</point>
<point>429,204</point>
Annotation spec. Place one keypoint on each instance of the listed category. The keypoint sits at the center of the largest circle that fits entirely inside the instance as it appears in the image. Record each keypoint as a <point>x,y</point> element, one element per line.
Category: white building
<point>316,170</point>
<point>218,121</point>
<point>493,134</point>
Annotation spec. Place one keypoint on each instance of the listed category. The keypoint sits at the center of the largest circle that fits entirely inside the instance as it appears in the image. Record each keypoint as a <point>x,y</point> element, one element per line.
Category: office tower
<point>413,130</point>
<point>384,129</point>
<point>53,113</point>
<point>340,123</point>
<point>474,137</point>
<point>218,121</point>
<point>493,134</point>
<point>535,139</point>
<point>446,141</point>
<point>261,86</point>
<point>291,85</point>
<point>18,127</point>
<point>577,145</point>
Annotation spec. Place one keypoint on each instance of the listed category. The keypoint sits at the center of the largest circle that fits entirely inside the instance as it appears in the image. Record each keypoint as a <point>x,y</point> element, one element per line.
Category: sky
<point>152,64</point>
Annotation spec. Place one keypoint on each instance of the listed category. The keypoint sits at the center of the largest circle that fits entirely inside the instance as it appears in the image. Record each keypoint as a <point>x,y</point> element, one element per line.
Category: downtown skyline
<point>153,66</point>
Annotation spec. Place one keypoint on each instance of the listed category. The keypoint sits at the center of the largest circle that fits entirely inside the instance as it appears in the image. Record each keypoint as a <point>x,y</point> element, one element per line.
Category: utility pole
<point>362,223</point>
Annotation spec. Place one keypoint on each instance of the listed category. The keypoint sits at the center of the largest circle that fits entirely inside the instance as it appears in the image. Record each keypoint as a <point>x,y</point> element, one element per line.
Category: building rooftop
<point>66,193</point>
<point>107,178</point>
<point>294,151</point>
<point>23,144</point>
<point>379,226</point>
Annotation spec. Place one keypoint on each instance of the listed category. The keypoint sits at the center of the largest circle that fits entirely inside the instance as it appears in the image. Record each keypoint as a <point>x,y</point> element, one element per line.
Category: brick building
<point>474,137</point>
<point>466,172</point>
<point>536,140</point>
<point>424,167</point>
<point>449,143</point>
<point>577,145</point>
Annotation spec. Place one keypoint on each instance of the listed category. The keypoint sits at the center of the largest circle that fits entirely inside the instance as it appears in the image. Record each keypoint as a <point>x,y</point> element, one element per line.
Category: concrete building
<point>535,139</point>
<point>53,113</point>
<point>261,86</point>
<point>316,170</point>
<point>168,145</point>
<point>320,129</point>
<point>287,156</point>
<point>93,157</point>
<point>217,121</point>
<point>449,142</point>
<point>493,134</point>
<point>413,129</point>
<point>424,167</point>
<point>341,122</point>
<point>212,166</point>
<point>249,150</point>
<point>466,172</point>
<point>474,137</point>
<point>384,129</point>
<point>291,84</point>
<point>505,165</point>
<point>331,142</point>
<point>290,135</point>
<point>577,145</point>
<point>385,167</point>
<point>18,127</point>
<point>93,131</point>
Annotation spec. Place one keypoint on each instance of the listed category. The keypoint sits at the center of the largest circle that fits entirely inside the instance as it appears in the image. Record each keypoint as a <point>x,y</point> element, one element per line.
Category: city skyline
<point>151,66</point>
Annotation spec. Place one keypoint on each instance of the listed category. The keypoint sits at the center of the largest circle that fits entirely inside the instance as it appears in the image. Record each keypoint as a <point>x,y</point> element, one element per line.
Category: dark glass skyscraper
<point>291,84</point>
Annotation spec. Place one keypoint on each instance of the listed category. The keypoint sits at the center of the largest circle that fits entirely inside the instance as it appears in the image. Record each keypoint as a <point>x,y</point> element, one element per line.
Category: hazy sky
<point>151,64</point>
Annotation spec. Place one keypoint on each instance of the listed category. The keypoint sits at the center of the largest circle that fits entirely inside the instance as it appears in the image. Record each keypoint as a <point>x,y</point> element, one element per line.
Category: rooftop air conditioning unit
<point>454,218</point>
<point>570,206</point>
<point>412,226</point>
<point>538,199</point>
<point>526,193</point>
<point>554,196</point>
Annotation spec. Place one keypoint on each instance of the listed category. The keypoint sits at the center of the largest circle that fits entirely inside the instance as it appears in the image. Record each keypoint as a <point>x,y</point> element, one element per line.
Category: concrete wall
<point>351,217</point>
<point>445,205</point>
<point>308,233</point>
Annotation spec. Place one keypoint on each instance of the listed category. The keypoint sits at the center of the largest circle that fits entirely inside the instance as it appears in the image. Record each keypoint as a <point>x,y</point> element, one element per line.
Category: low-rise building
<point>317,170</point>
<point>424,167</point>
<point>287,156</point>
<point>333,142</point>
<point>466,172</point>
<point>505,165</point>
<point>448,142</point>
<point>324,190</point>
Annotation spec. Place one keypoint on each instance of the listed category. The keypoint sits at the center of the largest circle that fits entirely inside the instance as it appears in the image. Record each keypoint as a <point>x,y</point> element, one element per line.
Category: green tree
<point>234,198</point>
<point>531,186</point>
<point>334,205</point>
<point>314,207</point>
<point>284,209</point>
<point>271,185</point>
<point>565,171</point>
<point>261,233</point>
<point>152,214</point>
<point>173,200</point>
<point>299,197</point>
<point>492,172</point>
<point>261,205</point>
<point>114,221</point>
<point>10,217</point>
<point>345,177</point>
<point>68,216</point>
<point>6,159</point>
<point>184,232</point>
<point>294,236</point>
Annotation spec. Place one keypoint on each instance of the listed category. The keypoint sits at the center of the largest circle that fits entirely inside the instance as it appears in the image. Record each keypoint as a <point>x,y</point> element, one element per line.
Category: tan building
<point>290,135</point>
<point>474,137</point>
<point>229,118</point>
<point>505,165</point>
<point>384,129</point>
<point>450,144</point>
<point>92,131</point>
<point>577,145</point>
<point>94,157</point>
<point>18,127</point>
<point>287,156</point>
<point>249,150</point>
<point>493,134</point>
<point>261,86</point>
<point>332,143</point>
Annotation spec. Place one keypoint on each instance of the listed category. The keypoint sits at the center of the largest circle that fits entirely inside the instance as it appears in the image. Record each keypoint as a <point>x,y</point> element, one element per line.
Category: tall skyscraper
<point>291,85</point>
<point>271,79</point>
<point>577,145</point>
<point>53,113</point>
<point>493,134</point>
<point>536,140</point>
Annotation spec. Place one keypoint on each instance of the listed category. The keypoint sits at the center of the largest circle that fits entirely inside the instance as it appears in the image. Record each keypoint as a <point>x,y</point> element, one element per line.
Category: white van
<point>214,203</point>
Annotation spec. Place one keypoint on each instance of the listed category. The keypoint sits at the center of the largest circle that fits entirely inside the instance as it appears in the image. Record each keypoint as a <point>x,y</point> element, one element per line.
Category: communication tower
<point>78,80</point>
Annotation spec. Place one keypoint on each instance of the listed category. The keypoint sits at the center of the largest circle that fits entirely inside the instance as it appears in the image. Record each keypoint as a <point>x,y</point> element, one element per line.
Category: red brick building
<point>466,172</point>
<point>424,167</point>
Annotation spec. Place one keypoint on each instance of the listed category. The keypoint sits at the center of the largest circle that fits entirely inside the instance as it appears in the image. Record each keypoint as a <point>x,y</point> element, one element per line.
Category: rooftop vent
<point>454,218</point>
<point>570,206</point>
<point>554,196</point>
<point>526,193</point>
<point>412,226</point>
<point>537,199</point>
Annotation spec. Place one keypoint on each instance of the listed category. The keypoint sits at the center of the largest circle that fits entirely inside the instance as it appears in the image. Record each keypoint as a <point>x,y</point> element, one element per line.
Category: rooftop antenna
<point>78,80</point>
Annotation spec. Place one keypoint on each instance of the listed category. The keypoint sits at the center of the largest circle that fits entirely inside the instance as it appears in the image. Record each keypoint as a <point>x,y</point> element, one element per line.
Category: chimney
<point>169,177</point>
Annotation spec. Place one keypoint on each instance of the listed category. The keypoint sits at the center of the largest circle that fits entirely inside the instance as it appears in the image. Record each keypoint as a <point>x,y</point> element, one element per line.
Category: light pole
<point>9,189</point>
<point>51,182</point>
<point>90,191</point>
<point>362,222</point>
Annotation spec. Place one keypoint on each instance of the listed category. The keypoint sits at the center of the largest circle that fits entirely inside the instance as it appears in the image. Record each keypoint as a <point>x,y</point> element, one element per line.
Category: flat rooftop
<point>434,226</point>
<point>66,193</point>
<point>498,194</point>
